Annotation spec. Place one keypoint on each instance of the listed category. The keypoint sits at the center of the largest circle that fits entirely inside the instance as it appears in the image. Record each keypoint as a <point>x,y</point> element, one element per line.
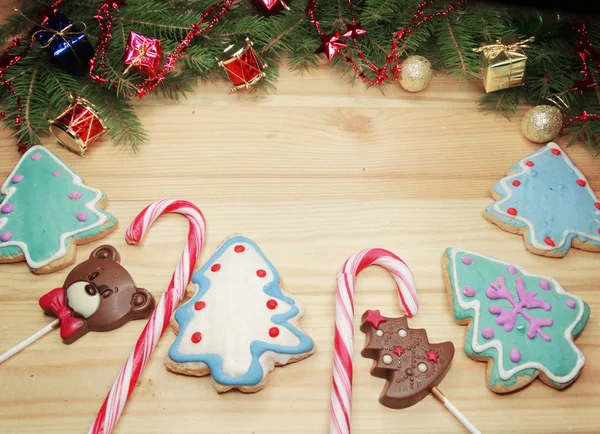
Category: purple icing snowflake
<point>527,300</point>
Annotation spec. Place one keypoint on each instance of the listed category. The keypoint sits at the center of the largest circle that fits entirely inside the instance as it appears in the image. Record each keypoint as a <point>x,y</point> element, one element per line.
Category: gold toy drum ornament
<point>243,65</point>
<point>78,126</point>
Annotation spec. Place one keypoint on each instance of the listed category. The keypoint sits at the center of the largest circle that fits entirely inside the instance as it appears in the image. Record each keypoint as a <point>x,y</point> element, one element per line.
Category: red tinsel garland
<point>8,60</point>
<point>105,21</point>
<point>331,44</point>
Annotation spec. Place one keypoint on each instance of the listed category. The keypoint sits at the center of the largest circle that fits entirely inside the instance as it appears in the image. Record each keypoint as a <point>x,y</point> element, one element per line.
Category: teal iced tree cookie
<point>549,201</point>
<point>522,324</point>
<point>45,210</point>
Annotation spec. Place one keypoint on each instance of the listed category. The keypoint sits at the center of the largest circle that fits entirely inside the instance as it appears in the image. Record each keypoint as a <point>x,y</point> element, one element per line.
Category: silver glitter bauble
<point>415,74</point>
<point>541,123</point>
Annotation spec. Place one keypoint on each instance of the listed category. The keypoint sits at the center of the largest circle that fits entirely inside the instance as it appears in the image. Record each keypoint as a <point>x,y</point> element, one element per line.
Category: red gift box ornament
<point>142,53</point>
<point>243,65</point>
<point>78,126</point>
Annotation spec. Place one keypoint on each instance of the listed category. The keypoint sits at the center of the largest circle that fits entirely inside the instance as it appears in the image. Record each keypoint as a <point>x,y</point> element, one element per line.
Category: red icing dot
<point>581,183</point>
<point>549,241</point>
<point>271,304</point>
<point>239,249</point>
<point>530,163</point>
<point>512,211</point>
<point>516,182</point>
<point>196,337</point>
<point>261,273</point>
<point>215,267</point>
<point>273,332</point>
<point>556,151</point>
<point>597,205</point>
<point>200,305</point>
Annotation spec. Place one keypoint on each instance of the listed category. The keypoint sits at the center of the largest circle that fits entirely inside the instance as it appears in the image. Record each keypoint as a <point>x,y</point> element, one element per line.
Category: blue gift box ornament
<point>66,41</point>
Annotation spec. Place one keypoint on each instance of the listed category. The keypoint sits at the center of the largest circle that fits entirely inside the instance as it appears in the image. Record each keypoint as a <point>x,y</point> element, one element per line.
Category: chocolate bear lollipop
<point>97,295</point>
<point>410,364</point>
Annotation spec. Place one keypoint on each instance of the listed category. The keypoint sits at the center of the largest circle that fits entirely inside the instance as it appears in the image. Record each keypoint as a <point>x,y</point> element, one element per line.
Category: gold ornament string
<point>493,50</point>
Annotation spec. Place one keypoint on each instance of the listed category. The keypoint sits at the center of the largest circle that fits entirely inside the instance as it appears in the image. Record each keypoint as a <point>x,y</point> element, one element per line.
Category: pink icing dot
<point>487,333</point>
<point>36,156</point>
<point>467,260</point>
<point>56,173</point>
<point>74,195</point>
<point>7,208</point>
<point>544,284</point>
<point>512,269</point>
<point>469,292</point>
<point>82,216</point>
<point>570,303</point>
<point>515,355</point>
<point>16,179</point>
<point>5,236</point>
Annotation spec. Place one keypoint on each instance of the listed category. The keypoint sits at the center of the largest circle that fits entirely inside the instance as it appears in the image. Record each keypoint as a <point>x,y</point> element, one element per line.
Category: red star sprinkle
<point>398,351</point>
<point>374,318</point>
<point>432,356</point>
<point>330,44</point>
<point>353,30</point>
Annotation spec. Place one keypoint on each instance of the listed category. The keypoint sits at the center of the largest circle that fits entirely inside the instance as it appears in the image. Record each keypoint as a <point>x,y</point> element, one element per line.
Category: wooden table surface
<point>313,173</point>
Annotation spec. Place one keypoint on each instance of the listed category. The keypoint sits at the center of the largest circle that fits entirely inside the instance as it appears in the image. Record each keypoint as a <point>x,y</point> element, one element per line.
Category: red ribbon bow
<point>54,301</point>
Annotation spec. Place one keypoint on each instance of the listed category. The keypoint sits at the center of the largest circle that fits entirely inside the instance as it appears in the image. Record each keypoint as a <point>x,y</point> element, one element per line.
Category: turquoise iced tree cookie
<point>522,324</point>
<point>45,210</point>
<point>239,324</point>
<point>549,201</point>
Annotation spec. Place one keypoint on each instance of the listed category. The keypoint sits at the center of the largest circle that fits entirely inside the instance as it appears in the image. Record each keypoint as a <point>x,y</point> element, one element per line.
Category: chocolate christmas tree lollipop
<point>97,295</point>
<point>411,365</point>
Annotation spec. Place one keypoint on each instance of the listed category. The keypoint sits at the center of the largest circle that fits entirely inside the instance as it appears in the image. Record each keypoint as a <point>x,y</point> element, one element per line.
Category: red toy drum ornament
<point>243,65</point>
<point>78,126</point>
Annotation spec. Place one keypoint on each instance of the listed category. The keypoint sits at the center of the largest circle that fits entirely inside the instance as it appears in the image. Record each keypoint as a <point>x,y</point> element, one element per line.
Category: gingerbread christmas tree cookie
<point>239,324</point>
<point>549,201</point>
<point>45,210</point>
<point>522,324</point>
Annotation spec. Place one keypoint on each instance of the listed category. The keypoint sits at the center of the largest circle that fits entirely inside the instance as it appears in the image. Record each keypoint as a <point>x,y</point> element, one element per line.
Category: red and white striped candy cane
<point>341,395</point>
<point>123,386</point>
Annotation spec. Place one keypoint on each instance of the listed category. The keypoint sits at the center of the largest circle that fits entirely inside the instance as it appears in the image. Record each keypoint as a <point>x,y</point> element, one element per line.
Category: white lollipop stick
<point>437,393</point>
<point>31,339</point>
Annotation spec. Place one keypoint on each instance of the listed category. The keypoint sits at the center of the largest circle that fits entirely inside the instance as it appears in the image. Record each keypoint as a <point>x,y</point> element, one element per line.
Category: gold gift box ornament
<point>503,63</point>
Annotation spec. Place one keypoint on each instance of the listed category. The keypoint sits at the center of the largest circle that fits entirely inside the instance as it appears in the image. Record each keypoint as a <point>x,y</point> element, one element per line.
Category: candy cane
<point>341,395</point>
<point>123,386</point>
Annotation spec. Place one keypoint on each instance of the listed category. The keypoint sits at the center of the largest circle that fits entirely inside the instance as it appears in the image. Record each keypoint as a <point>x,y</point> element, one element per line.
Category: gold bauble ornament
<point>415,74</point>
<point>541,123</point>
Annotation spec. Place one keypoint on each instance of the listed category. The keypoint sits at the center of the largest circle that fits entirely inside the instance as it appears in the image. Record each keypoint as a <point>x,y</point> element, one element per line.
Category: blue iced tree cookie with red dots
<point>46,210</point>
<point>239,324</point>
<point>545,198</point>
<point>522,324</point>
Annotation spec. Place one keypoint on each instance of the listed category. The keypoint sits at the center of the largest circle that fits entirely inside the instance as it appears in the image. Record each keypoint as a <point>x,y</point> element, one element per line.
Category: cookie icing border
<point>7,192</point>
<point>496,343</point>
<point>256,372</point>
<point>531,239</point>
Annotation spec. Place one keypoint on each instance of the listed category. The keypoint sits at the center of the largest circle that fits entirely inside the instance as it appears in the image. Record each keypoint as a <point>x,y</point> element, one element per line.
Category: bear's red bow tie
<point>54,302</point>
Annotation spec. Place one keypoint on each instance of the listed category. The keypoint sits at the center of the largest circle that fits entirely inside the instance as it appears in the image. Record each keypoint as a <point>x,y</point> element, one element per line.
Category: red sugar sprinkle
<point>516,183</point>
<point>215,267</point>
<point>556,151</point>
<point>530,163</point>
<point>261,273</point>
<point>271,304</point>
<point>581,183</point>
<point>273,332</point>
<point>200,305</point>
<point>549,241</point>
<point>512,211</point>
<point>196,337</point>
<point>239,249</point>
